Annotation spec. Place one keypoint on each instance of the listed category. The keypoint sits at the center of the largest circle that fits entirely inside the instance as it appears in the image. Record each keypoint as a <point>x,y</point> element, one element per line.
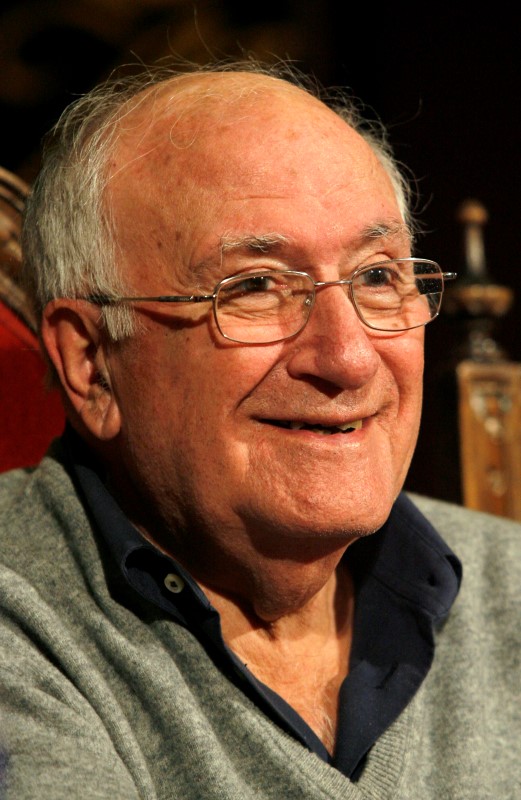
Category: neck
<point>278,594</point>
<point>289,611</point>
<point>302,654</point>
<point>286,608</point>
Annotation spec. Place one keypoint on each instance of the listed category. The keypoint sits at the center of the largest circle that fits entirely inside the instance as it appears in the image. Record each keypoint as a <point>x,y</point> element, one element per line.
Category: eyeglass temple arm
<point>106,300</point>
<point>449,276</point>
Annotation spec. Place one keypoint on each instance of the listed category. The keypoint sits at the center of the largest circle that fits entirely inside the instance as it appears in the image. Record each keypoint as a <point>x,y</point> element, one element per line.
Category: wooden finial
<point>476,295</point>
<point>473,216</point>
<point>472,212</point>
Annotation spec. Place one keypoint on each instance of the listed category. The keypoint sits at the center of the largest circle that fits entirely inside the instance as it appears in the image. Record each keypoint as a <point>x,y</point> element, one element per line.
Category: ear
<point>74,342</point>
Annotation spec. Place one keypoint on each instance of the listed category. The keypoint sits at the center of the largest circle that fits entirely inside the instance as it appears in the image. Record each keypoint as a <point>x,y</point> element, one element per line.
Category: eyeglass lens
<point>271,306</point>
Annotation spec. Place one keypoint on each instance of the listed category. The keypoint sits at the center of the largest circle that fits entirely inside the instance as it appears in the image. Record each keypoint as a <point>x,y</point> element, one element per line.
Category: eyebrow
<point>264,243</point>
<point>383,230</point>
<point>270,242</point>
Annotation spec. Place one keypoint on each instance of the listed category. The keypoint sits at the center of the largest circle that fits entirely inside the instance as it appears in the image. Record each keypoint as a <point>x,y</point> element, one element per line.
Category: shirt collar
<point>409,558</point>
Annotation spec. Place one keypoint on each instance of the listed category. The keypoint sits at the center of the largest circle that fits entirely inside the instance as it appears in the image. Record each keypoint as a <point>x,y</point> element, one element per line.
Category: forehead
<point>228,155</point>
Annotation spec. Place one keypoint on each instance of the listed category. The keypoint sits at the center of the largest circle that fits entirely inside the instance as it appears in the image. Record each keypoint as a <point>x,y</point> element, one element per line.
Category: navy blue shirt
<point>405,577</point>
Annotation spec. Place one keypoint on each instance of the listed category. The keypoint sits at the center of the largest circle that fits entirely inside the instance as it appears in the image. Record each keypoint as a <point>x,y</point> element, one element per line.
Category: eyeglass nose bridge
<point>340,282</point>
<point>317,285</point>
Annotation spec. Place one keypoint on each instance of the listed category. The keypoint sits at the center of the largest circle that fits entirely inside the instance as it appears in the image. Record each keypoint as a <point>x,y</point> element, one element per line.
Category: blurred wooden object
<point>490,436</point>
<point>30,416</point>
<point>489,385</point>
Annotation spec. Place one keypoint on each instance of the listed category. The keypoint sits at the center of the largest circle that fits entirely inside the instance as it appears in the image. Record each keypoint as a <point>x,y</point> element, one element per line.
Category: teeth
<point>346,426</point>
<point>353,426</point>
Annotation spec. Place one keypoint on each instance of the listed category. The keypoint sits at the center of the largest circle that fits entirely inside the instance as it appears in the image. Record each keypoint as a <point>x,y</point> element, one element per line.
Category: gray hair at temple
<point>68,243</point>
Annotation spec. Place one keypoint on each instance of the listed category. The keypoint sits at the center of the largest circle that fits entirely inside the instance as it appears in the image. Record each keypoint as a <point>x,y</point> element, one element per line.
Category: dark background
<point>446,84</point>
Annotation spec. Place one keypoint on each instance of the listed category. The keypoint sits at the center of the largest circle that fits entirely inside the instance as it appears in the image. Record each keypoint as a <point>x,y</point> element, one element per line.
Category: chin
<point>348,513</point>
<point>299,537</point>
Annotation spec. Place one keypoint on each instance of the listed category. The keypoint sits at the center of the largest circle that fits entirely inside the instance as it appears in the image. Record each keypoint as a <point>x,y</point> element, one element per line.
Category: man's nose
<point>335,345</point>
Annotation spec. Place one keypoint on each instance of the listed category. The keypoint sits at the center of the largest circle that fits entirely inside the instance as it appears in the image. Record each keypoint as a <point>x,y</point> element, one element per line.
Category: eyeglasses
<point>264,307</point>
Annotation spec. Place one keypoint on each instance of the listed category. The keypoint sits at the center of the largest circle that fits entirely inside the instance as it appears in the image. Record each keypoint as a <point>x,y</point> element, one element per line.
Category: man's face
<point>210,434</point>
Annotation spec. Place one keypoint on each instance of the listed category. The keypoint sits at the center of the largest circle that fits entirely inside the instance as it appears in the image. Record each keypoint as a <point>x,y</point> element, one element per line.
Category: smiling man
<point>213,586</point>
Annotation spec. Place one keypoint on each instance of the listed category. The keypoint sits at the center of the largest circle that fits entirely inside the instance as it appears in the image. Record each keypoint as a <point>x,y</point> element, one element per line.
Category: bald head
<point>193,103</point>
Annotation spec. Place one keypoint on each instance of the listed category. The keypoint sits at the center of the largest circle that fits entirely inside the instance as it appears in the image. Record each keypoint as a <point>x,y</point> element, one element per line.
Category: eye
<point>256,292</point>
<point>259,285</point>
<point>380,288</point>
<point>255,283</point>
<point>378,278</point>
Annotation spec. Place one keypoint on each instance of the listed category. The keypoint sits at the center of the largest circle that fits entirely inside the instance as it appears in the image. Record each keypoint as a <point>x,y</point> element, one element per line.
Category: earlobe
<point>75,345</point>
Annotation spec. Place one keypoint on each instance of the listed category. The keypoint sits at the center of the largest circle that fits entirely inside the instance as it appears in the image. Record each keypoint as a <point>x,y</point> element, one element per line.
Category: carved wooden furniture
<point>488,383</point>
<point>490,436</point>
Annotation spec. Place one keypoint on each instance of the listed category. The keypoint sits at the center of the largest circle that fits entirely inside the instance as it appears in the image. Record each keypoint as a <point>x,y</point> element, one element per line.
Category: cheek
<point>404,359</point>
<point>406,365</point>
<point>410,370</point>
<point>189,385</point>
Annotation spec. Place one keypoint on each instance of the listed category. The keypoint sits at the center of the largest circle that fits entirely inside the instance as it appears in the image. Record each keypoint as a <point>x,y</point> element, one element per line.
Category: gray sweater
<point>100,701</point>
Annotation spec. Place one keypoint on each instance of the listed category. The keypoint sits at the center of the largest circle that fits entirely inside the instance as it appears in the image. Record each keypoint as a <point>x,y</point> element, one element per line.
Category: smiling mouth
<point>326,430</point>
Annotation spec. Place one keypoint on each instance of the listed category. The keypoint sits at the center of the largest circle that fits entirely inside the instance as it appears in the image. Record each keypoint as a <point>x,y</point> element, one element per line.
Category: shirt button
<point>174,583</point>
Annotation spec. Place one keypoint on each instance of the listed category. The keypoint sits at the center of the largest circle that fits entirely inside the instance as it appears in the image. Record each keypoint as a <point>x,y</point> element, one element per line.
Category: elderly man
<point>213,585</point>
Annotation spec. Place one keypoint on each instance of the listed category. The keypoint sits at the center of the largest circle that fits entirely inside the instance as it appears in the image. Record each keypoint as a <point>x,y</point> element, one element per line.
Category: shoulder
<point>465,524</point>
<point>489,546</point>
<point>12,484</point>
<point>36,506</point>
<point>17,486</point>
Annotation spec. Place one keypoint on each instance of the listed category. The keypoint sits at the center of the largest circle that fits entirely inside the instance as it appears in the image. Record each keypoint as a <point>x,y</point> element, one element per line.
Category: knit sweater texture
<point>107,698</point>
